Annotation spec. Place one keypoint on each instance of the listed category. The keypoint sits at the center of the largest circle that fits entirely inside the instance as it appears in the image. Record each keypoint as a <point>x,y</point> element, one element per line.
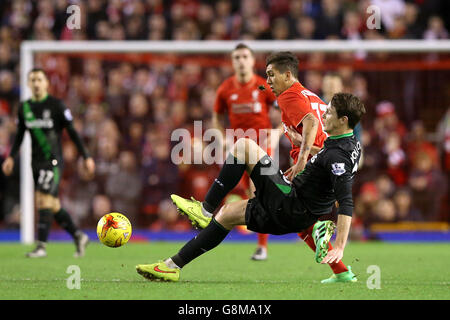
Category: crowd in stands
<point>126,112</point>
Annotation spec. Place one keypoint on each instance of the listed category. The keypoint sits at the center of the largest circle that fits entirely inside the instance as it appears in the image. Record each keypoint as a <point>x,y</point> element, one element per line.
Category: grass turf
<point>408,271</point>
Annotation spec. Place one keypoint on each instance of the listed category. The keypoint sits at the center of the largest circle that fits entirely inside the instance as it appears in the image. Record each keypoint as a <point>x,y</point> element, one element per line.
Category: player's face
<point>276,80</point>
<point>243,61</point>
<point>38,83</point>
<point>331,122</point>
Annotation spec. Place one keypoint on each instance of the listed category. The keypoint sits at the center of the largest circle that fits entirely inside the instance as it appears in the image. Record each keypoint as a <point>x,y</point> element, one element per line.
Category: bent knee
<point>232,214</point>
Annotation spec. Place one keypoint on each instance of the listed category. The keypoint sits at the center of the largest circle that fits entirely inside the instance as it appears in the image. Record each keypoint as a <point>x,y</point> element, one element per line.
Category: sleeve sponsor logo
<point>338,168</point>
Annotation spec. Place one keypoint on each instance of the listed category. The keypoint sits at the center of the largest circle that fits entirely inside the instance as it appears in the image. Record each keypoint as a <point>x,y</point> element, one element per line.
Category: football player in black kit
<point>279,206</point>
<point>45,117</point>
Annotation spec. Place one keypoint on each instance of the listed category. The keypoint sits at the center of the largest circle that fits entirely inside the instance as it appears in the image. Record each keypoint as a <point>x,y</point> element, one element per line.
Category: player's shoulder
<point>56,101</point>
<point>342,148</point>
<point>293,94</point>
<point>227,84</point>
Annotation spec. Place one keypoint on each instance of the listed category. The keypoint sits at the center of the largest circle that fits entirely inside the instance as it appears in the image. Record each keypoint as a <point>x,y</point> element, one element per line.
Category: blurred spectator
<point>305,28</point>
<point>352,25</point>
<point>280,29</point>
<point>331,84</point>
<point>436,29</point>
<point>384,211</point>
<point>403,204</point>
<point>196,178</point>
<point>329,22</point>
<point>77,193</point>
<point>395,159</point>
<point>159,175</point>
<point>414,29</point>
<point>169,218</point>
<point>385,186</point>
<point>124,186</point>
<point>101,205</point>
<point>387,122</point>
<point>428,186</point>
<point>417,142</point>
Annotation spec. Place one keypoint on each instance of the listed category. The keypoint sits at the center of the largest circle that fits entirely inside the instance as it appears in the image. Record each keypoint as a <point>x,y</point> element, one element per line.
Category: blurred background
<point>125,106</point>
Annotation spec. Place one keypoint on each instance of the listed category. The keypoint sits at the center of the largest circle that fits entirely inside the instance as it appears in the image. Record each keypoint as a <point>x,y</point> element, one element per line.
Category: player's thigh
<point>46,180</point>
<point>232,214</point>
<point>47,201</point>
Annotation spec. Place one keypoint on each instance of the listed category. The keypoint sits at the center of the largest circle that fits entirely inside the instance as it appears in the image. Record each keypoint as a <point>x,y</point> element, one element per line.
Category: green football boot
<point>347,276</point>
<point>322,232</point>
<point>193,209</point>
<point>158,272</point>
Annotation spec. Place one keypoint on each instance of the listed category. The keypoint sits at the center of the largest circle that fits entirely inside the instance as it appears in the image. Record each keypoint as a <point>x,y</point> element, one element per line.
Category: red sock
<point>262,239</point>
<point>306,236</point>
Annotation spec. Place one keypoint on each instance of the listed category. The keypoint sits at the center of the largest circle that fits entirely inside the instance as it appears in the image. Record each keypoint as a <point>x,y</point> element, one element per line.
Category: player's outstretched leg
<point>158,271</point>
<point>193,210</point>
<point>244,156</point>
<point>229,216</point>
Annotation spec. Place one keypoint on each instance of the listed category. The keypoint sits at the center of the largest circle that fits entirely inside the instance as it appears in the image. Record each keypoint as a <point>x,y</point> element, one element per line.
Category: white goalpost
<point>29,48</point>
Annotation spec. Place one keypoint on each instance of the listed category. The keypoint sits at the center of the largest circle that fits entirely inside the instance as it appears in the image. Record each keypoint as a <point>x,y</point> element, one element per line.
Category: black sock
<point>205,240</point>
<point>64,219</point>
<point>229,176</point>
<point>45,223</point>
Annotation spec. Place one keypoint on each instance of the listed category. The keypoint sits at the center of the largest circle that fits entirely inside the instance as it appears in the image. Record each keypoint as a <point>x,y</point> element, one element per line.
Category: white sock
<point>206,213</point>
<point>169,262</point>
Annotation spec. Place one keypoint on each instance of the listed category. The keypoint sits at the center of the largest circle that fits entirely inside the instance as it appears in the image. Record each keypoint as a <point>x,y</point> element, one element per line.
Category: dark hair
<point>243,46</point>
<point>284,61</point>
<point>37,70</point>
<point>346,104</point>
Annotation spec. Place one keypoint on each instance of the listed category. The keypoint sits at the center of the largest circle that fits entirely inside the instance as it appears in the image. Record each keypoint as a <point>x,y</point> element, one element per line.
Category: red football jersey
<point>295,103</point>
<point>246,105</point>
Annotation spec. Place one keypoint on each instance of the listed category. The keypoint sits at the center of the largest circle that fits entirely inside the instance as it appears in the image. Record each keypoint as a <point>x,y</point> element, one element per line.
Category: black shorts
<point>47,178</point>
<point>275,209</point>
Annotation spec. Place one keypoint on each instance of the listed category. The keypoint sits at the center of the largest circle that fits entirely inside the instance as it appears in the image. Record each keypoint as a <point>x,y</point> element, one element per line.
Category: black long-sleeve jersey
<point>45,119</point>
<point>328,176</point>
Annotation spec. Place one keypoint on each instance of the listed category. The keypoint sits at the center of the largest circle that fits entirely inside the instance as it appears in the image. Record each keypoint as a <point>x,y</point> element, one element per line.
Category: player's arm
<point>342,230</point>
<point>89,163</point>
<point>297,139</point>
<point>342,179</point>
<point>8,164</point>
<point>310,125</point>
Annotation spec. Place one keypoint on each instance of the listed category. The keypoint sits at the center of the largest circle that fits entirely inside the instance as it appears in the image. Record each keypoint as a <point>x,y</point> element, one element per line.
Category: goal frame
<point>29,48</point>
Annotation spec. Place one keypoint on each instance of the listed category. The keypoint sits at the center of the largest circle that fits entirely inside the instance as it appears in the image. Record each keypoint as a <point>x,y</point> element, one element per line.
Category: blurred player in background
<point>45,117</point>
<point>246,102</point>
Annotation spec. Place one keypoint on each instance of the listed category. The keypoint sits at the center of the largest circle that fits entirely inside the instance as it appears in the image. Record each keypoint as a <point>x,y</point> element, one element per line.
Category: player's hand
<point>8,166</point>
<point>334,255</point>
<point>89,166</point>
<point>295,137</point>
<point>295,169</point>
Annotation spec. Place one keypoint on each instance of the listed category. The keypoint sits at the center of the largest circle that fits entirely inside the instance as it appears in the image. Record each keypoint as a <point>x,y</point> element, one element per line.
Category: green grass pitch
<point>407,271</point>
